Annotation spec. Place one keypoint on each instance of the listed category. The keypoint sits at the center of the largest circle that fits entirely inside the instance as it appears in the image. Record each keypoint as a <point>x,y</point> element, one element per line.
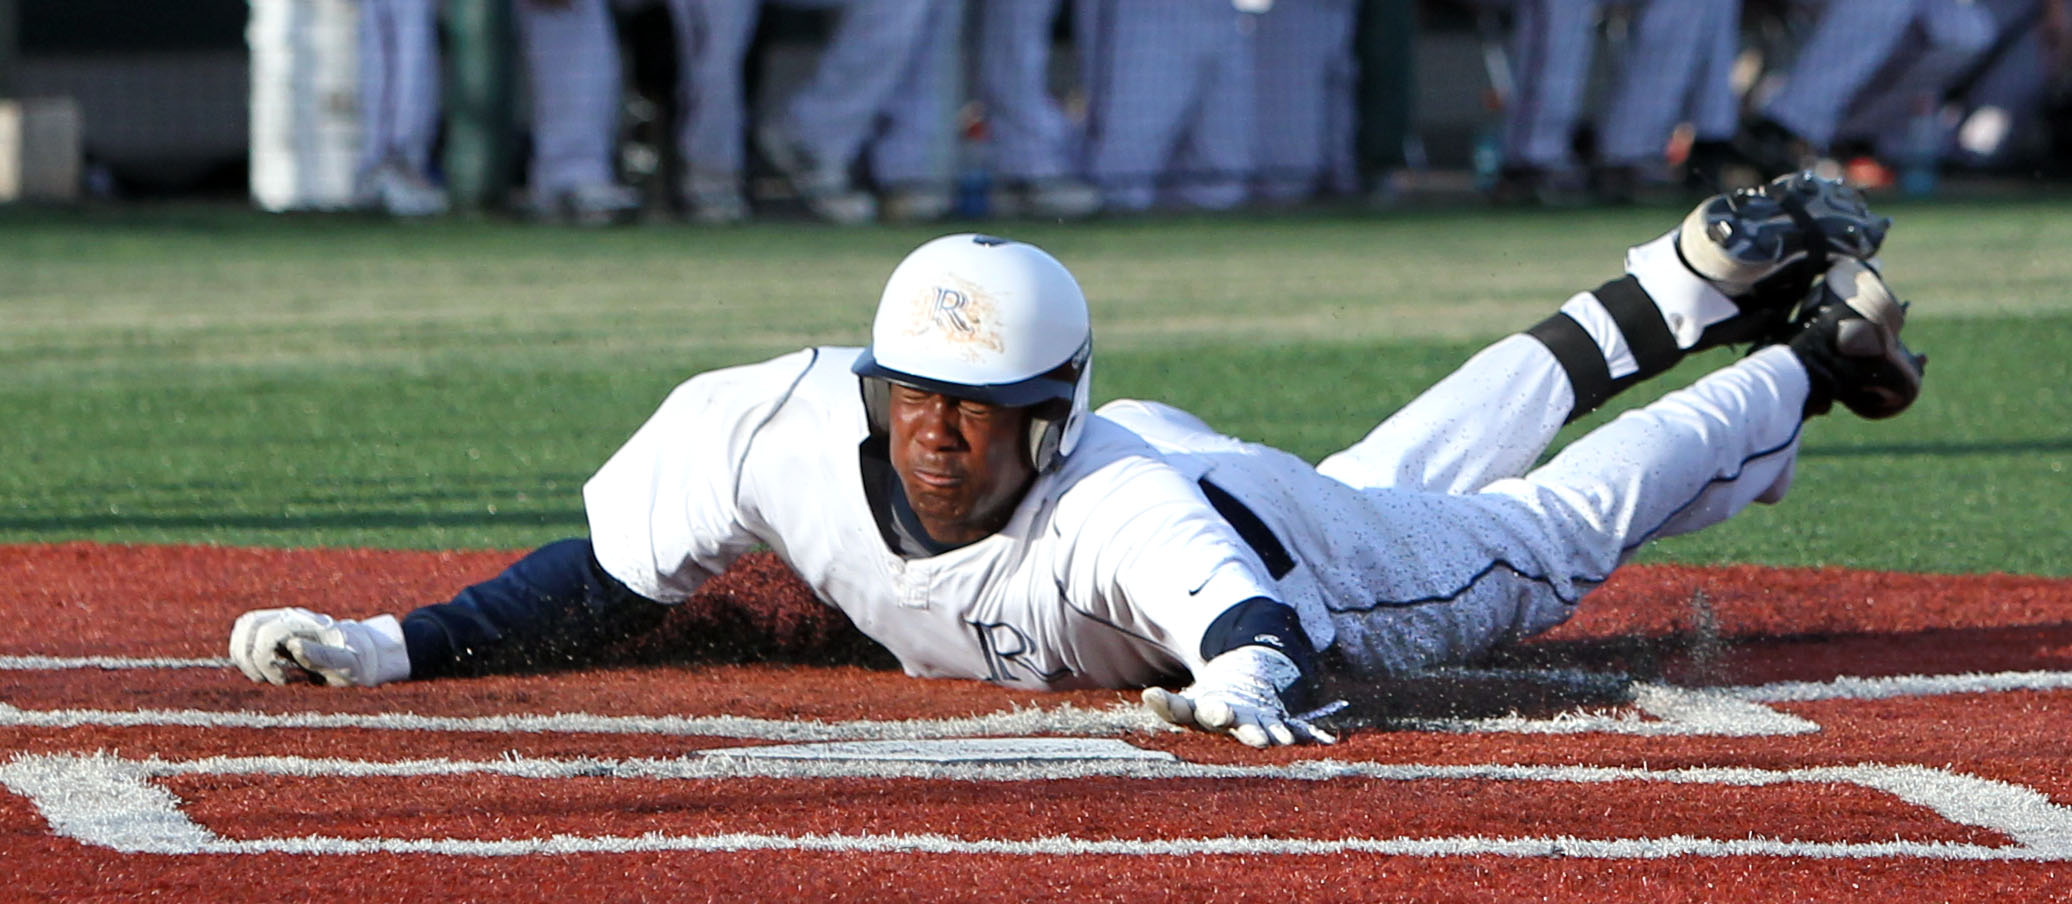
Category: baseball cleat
<point>589,205</point>
<point>399,191</point>
<point>1848,338</point>
<point>713,199</point>
<point>823,185</point>
<point>1745,237</point>
<point>1059,198</point>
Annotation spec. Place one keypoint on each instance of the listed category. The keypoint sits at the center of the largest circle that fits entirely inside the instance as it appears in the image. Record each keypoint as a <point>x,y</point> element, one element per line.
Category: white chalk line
<point>61,663</point>
<point>112,802</point>
<point>1061,720</point>
<point>1657,710</point>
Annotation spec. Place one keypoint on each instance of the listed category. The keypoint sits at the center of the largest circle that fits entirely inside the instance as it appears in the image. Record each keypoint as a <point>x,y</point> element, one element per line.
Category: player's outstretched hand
<point>282,645</point>
<point>1239,694</point>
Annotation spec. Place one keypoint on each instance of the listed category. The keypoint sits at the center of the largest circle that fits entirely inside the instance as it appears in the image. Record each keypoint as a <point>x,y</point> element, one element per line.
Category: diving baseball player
<point>948,488</point>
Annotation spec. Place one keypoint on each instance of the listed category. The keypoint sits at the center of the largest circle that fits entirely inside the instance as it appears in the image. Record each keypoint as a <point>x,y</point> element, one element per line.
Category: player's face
<point>963,463</point>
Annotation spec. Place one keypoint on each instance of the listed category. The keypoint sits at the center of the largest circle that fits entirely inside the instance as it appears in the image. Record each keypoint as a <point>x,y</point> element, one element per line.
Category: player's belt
<point>1253,531</point>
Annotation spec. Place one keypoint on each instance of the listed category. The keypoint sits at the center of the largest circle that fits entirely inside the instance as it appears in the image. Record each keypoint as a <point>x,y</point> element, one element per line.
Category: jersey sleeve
<point>1153,557</point>
<point>550,607</point>
<point>665,510</point>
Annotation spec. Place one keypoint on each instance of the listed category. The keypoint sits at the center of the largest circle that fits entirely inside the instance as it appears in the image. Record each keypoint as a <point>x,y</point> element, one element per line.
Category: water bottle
<point>1921,154</point>
<point>1487,155</point>
<point>974,170</point>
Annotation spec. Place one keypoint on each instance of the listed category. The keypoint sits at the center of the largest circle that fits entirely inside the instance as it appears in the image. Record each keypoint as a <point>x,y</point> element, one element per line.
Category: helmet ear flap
<point>1054,426</point>
<point>877,404</point>
<point>1047,433</point>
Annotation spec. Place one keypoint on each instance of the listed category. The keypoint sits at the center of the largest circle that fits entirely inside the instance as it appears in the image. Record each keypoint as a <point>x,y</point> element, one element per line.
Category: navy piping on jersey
<point>1099,620</point>
<point>1082,613</point>
<point>1494,564</point>
<point>741,464</point>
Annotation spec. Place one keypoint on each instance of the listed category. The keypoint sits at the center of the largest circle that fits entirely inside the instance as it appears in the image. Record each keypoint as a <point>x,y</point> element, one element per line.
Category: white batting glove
<point>1238,693</point>
<point>282,645</point>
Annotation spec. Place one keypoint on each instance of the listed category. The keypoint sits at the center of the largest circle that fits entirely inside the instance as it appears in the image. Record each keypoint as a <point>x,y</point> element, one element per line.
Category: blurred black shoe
<point>1849,341</point>
<point>1616,185</point>
<point>1531,186</point>
<point>1518,186</point>
<point>1716,166</point>
<point>1773,149</point>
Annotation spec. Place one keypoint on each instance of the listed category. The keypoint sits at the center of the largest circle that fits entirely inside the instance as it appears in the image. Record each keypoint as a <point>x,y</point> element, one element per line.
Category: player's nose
<point>937,426</point>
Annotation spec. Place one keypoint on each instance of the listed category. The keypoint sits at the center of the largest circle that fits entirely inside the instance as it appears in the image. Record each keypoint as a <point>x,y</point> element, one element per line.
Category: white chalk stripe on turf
<point>111,802</point>
<point>1720,711</point>
<point>60,663</point>
<point>1675,711</point>
<point>1065,719</point>
<point>1888,687</point>
<point>1695,714</point>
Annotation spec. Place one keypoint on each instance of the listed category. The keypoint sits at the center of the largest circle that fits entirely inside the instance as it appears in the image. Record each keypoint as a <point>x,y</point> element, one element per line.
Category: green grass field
<point>212,375</point>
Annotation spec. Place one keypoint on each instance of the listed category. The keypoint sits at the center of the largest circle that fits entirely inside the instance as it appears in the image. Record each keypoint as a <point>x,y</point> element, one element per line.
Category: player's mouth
<point>936,478</point>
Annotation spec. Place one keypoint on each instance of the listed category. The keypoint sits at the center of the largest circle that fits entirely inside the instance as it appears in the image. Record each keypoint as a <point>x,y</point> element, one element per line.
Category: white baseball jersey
<point>1107,575</point>
<point>1427,542</point>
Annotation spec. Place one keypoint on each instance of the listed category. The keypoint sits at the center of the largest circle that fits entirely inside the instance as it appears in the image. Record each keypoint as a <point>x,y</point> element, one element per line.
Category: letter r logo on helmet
<point>948,305</point>
<point>978,317</point>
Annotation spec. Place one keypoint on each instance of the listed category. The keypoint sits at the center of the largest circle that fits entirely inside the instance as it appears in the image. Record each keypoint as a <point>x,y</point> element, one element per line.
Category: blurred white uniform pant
<point>1169,84</point>
<point>879,86</point>
<point>1032,138</point>
<point>1852,42</point>
<point>1304,85</point>
<point>399,83</point>
<point>572,63</point>
<point>1682,60</point>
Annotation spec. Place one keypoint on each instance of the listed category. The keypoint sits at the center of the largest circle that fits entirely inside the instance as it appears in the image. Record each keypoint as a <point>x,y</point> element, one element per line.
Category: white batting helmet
<point>985,318</point>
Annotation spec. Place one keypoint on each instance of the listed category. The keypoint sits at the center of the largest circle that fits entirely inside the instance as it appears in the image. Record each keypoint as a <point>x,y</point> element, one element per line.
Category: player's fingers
<point>1251,735</point>
<point>1280,732</point>
<point>293,672</point>
<point>1310,734</point>
<point>1172,707</point>
<point>268,656</point>
<point>333,664</point>
<point>242,652</point>
<point>1214,714</point>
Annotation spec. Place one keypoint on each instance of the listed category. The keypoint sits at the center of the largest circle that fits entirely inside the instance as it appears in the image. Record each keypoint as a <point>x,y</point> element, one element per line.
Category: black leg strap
<point>1578,355</point>
<point>1653,346</point>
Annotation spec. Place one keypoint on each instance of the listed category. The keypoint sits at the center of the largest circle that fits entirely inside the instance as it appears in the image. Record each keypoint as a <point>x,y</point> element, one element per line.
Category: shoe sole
<point>1876,335</point>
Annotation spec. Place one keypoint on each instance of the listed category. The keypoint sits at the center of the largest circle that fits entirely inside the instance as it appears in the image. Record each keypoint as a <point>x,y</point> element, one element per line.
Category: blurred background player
<point>2000,98</point>
<point>572,66</point>
<point>1170,94</point>
<point>1864,60</point>
<point>879,95</point>
<point>399,108</point>
<point>1680,69</point>
<point>1551,45</point>
<point>1035,147</point>
<point>712,39</point>
<point>1304,119</point>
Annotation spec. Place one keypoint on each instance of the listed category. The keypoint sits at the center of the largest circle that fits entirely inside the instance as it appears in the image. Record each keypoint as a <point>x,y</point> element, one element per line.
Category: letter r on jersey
<point>1003,646</point>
